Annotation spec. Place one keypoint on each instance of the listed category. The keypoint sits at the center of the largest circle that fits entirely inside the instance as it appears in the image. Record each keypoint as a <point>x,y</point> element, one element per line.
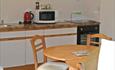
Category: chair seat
<point>53,66</point>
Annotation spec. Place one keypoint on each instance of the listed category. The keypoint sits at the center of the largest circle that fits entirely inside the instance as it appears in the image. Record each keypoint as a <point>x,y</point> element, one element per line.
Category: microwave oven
<point>45,16</point>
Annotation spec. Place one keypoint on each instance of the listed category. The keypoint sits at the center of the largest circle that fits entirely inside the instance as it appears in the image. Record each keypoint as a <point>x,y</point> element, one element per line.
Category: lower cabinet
<point>29,54</point>
<point>12,53</point>
<point>19,52</point>
<point>61,40</point>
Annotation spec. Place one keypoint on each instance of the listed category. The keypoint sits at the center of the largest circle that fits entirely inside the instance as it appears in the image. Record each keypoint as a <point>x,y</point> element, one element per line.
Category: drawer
<point>12,34</point>
<point>61,31</point>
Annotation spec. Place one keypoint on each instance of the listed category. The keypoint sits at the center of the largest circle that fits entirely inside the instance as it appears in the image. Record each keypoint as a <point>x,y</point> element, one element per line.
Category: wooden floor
<point>25,67</point>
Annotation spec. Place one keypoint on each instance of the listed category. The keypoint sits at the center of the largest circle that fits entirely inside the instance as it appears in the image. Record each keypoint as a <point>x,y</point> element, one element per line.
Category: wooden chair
<point>106,59</point>
<point>42,46</point>
<point>93,39</point>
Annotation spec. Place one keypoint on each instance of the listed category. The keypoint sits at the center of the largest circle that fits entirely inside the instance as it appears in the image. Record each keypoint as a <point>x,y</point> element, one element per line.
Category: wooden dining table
<point>67,53</point>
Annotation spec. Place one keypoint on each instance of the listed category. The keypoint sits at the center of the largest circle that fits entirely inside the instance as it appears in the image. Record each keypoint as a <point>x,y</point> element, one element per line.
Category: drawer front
<point>60,40</point>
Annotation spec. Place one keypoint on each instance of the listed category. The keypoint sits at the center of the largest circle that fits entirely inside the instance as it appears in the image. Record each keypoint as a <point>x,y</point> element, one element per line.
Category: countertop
<point>25,27</point>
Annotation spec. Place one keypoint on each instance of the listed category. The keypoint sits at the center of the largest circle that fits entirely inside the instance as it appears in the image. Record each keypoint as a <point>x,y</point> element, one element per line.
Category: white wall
<point>103,11</point>
<point>12,10</point>
<point>65,8</point>
<point>107,17</point>
<point>91,9</point>
<point>0,9</point>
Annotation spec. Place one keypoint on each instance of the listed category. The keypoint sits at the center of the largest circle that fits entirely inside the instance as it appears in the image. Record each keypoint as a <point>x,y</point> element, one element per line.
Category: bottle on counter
<point>37,6</point>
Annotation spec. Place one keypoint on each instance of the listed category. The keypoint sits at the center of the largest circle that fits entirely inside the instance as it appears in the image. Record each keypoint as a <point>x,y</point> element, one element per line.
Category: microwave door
<point>47,16</point>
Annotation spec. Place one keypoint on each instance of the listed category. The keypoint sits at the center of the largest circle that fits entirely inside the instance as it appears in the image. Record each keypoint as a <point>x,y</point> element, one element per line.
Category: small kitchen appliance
<point>45,16</point>
<point>28,17</point>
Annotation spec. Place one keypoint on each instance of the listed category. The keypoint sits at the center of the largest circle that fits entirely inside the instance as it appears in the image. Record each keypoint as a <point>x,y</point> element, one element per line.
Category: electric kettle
<point>28,17</point>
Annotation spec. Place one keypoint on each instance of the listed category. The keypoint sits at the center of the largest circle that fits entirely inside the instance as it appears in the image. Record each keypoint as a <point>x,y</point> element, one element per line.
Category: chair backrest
<point>38,43</point>
<point>93,39</point>
<point>106,59</point>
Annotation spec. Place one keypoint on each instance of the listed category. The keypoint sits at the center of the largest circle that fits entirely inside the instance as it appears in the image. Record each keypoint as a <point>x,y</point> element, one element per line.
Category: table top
<point>65,52</point>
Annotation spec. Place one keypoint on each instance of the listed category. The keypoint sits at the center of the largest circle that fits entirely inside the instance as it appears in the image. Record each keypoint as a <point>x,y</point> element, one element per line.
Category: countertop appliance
<point>28,17</point>
<point>45,16</point>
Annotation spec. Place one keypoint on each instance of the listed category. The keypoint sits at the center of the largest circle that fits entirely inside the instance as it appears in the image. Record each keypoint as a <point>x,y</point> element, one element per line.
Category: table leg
<point>78,67</point>
<point>71,68</point>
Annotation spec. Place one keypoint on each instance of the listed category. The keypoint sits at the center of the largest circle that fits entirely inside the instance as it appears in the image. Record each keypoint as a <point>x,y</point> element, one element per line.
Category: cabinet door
<point>12,52</point>
<point>60,40</point>
<point>29,53</point>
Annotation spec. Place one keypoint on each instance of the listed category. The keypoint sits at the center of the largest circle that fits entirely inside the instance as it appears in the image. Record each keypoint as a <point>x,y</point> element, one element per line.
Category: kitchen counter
<point>29,27</point>
<point>22,27</point>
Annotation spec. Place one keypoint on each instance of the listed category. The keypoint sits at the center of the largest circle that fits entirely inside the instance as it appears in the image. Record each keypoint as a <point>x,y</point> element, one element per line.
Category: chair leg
<point>45,59</point>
